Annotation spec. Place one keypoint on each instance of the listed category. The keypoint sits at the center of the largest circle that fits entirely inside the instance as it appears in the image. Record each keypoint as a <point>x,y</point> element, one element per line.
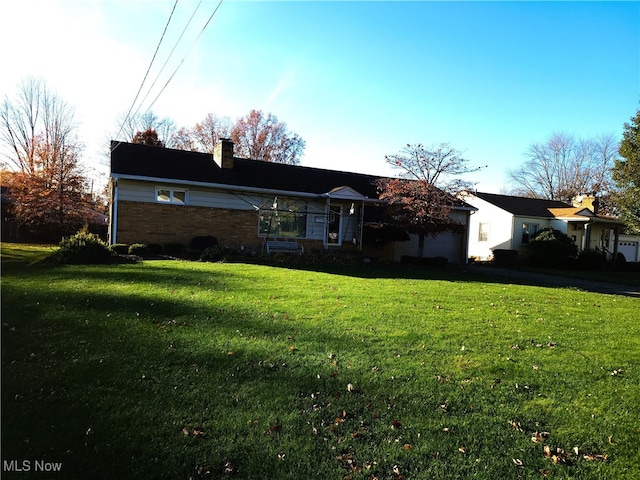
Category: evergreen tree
<point>626,174</point>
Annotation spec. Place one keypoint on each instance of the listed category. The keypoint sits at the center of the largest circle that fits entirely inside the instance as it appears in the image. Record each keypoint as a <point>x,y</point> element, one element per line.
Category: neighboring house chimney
<point>223,153</point>
<point>586,201</point>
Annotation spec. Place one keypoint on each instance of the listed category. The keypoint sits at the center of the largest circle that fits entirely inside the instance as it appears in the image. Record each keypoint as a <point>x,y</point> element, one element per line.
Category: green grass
<point>171,369</point>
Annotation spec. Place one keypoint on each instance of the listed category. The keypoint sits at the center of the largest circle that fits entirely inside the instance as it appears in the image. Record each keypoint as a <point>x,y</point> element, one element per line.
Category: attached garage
<point>448,244</point>
<point>629,247</point>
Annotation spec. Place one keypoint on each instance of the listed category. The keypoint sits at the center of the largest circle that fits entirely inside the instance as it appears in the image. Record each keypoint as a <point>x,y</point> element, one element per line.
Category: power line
<point>148,69</point>
<point>168,58</point>
<point>184,58</point>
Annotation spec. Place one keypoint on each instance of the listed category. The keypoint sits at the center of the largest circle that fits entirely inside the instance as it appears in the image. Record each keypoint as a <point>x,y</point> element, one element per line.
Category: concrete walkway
<point>545,280</point>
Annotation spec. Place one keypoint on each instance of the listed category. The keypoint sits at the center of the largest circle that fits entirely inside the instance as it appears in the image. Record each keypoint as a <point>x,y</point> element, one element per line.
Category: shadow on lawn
<point>108,389</point>
<point>116,377</point>
<point>472,273</point>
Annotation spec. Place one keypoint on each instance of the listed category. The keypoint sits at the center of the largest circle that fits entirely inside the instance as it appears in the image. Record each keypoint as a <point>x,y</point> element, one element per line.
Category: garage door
<point>447,244</point>
<point>629,250</point>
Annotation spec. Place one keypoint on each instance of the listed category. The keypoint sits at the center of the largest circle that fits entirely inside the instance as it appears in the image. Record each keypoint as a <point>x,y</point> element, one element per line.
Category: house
<point>509,222</point>
<point>160,196</point>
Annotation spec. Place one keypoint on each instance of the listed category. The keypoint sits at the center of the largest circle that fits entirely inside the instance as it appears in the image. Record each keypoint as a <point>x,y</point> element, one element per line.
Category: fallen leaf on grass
<point>275,428</point>
<point>515,425</point>
<point>538,437</point>
<point>198,432</point>
<point>517,461</point>
<point>229,468</point>
<point>204,470</point>
<point>396,425</point>
<point>406,446</point>
<point>557,456</point>
<point>595,456</point>
<point>463,450</point>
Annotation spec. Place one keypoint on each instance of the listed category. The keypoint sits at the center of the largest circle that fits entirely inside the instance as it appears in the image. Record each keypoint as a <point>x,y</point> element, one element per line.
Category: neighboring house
<point>509,222</point>
<point>160,195</point>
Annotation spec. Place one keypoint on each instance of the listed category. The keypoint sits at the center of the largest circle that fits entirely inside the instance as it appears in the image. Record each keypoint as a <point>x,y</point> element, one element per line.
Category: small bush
<point>505,258</point>
<point>154,249</point>
<point>119,248</point>
<point>212,254</point>
<point>203,242</point>
<point>82,248</point>
<point>550,248</point>
<point>139,249</point>
<point>592,260</point>
<point>173,249</point>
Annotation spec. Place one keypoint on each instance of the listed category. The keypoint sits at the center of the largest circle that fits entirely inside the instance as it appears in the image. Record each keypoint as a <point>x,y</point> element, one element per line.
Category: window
<point>285,218</point>
<point>171,195</point>
<point>529,231</point>
<point>483,232</point>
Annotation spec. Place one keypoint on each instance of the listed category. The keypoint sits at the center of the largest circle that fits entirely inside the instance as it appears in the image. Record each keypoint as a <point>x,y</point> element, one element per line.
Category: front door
<point>334,225</point>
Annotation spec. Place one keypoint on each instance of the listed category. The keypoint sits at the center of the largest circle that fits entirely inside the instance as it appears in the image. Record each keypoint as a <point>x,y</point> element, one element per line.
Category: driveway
<point>545,280</point>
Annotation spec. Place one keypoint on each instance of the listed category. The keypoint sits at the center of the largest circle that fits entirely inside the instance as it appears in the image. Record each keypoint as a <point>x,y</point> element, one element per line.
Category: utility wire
<point>168,58</point>
<point>184,58</point>
<point>148,69</point>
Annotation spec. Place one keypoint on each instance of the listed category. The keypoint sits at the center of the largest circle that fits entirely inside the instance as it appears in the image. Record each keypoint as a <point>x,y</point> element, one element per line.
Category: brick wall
<point>140,222</point>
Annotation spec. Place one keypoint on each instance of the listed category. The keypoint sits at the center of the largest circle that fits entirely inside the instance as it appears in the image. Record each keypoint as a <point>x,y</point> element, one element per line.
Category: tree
<point>47,185</point>
<point>626,174</point>
<point>422,199</point>
<point>149,137</point>
<point>204,135</point>
<point>165,128</point>
<point>263,137</point>
<point>561,167</point>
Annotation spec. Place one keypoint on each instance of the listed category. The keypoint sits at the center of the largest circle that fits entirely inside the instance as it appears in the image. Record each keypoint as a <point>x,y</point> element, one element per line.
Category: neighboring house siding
<point>498,224</point>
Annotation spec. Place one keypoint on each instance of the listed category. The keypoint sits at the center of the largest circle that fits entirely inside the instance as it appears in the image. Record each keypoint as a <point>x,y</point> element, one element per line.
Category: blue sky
<point>356,80</point>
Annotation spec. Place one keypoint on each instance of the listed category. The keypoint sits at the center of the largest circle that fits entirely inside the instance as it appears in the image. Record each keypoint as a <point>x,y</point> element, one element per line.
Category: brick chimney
<point>223,153</point>
<point>589,201</point>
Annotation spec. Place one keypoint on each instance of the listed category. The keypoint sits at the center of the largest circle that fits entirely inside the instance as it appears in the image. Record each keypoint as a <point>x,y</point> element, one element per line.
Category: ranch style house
<point>161,195</point>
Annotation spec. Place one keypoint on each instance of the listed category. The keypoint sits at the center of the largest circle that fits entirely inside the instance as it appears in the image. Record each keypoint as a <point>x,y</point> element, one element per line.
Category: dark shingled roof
<point>523,206</point>
<point>166,163</point>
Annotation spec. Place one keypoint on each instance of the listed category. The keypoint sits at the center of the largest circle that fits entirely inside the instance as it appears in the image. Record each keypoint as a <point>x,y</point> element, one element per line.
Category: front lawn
<point>170,369</point>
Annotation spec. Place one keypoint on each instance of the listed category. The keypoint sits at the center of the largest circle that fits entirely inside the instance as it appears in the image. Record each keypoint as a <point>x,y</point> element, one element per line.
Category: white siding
<point>499,224</point>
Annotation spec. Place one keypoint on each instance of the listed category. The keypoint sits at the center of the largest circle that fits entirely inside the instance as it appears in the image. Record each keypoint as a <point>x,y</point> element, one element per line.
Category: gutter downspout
<point>114,212</point>
<point>361,226</point>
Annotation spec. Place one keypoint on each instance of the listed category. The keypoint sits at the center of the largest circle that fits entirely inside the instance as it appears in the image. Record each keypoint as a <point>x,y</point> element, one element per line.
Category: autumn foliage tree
<point>257,135</point>
<point>149,137</point>
<point>204,135</point>
<point>47,188</point>
<point>263,137</point>
<point>422,199</point>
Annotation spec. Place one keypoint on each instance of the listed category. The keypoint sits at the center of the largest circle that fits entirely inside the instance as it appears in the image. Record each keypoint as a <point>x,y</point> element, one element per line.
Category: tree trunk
<point>421,244</point>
